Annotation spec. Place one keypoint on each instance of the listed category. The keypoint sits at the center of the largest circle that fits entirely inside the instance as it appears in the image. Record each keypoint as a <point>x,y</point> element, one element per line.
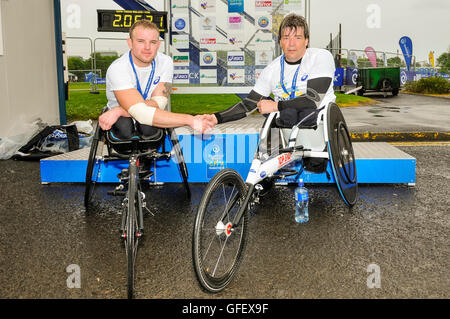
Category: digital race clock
<point>122,20</point>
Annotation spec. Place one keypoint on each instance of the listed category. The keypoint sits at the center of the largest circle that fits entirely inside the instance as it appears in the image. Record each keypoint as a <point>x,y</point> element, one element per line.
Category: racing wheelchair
<point>221,223</point>
<point>140,154</point>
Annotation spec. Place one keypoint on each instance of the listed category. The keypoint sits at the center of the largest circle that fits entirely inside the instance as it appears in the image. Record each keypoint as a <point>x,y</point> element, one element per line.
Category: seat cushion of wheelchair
<point>290,116</point>
<point>144,142</point>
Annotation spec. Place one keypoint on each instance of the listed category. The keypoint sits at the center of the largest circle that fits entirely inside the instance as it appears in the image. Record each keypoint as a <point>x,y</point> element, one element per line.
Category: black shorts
<point>126,128</point>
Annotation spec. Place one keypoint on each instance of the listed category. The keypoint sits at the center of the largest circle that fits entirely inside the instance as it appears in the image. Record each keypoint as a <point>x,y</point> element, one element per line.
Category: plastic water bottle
<point>301,203</point>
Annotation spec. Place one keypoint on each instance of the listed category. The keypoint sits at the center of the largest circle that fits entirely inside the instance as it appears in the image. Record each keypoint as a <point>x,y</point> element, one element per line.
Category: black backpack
<point>32,150</point>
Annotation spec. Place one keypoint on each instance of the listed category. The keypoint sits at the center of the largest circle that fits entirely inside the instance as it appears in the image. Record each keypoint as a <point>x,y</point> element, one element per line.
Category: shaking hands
<point>203,123</point>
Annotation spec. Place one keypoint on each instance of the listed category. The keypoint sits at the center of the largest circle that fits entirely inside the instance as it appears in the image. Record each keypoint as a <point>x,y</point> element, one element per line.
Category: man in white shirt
<point>138,85</point>
<point>301,79</point>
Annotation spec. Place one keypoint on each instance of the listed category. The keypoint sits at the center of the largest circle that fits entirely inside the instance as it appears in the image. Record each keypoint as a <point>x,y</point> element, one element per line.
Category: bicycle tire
<point>131,230</point>
<point>91,172</point>
<point>207,230</point>
<point>180,160</point>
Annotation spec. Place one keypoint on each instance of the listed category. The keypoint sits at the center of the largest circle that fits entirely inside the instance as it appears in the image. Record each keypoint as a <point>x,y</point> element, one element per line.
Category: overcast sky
<point>376,23</point>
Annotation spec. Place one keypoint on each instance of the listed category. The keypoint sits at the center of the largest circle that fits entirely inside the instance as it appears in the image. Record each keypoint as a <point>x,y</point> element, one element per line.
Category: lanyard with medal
<point>150,78</point>
<point>294,79</point>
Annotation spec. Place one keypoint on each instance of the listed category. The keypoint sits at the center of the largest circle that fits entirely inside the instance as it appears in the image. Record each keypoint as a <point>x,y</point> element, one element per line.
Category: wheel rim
<point>218,246</point>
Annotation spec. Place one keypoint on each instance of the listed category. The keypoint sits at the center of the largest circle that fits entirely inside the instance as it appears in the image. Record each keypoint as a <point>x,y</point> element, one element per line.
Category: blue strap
<point>294,79</point>
<point>150,79</point>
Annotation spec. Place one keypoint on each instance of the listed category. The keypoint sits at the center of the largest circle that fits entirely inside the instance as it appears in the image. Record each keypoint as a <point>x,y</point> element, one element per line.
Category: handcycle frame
<point>265,168</point>
<point>327,139</point>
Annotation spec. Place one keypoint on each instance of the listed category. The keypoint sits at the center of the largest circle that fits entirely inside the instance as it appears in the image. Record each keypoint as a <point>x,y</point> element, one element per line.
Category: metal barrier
<point>94,86</point>
<point>91,51</point>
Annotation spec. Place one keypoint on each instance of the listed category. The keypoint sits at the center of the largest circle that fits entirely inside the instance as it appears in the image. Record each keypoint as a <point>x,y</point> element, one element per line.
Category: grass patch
<point>83,105</point>
<point>202,103</point>
<point>344,100</point>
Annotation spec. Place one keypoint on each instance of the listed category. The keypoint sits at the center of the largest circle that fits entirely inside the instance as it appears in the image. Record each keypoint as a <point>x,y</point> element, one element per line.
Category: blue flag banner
<point>406,46</point>
<point>350,76</point>
<point>338,77</point>
<point>235,5</point>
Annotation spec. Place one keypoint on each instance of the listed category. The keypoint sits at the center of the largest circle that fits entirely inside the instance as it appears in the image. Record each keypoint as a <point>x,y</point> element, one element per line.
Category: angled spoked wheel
<point>93,166</point>
<point>218,248</point>
<point>180,159</point>
<point>341,154</point>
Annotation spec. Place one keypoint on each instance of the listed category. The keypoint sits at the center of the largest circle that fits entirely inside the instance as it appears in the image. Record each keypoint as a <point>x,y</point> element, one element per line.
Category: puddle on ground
<point>378,110</point>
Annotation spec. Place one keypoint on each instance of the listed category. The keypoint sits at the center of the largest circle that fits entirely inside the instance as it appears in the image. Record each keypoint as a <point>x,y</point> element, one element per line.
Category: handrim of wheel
<point>218,247</point>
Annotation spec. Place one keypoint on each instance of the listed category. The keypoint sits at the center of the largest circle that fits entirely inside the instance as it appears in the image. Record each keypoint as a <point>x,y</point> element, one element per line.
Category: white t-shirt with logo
<point>315,63</point>
<point>120,76</point>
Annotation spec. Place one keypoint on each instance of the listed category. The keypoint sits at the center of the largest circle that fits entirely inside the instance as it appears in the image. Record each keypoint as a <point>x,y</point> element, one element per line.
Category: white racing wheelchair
<point>221,224</point>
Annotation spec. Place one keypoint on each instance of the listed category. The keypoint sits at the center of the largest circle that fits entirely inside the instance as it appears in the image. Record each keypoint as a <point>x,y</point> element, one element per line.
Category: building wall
<point>28,78</point>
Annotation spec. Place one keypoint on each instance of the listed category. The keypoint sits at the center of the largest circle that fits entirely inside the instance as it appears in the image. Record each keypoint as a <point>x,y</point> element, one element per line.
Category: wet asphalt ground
<point>402,230</point>
<point>399,232</point>
<point>402,113</point>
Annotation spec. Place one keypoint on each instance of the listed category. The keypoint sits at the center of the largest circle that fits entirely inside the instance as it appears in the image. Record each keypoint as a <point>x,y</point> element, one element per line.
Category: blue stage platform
<point>205,155</point>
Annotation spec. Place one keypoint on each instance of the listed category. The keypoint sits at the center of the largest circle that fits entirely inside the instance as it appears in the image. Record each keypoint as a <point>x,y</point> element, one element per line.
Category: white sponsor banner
<point>181,76</point>
<point>263,40</point>
<point>180,6</point>
<point>234,22</point>
<point>236,39</point>
<point>207,6</point>
<point>294,6</point>
<point>263,21</point>
<point>263,57</point>
<point>208,41</point>
<point>180,41</point>
<point>235,58</point>
<point>208,59</point>
<point>236,76</point>
<point>208,76</point>
<point>207,24</point>
<point>257,73</point>
<point>180,23</point>
<point>181,59</point>
<point>263,5</point>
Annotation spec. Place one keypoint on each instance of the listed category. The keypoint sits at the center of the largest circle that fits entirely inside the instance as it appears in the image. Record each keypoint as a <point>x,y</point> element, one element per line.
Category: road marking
<point>428,143</point>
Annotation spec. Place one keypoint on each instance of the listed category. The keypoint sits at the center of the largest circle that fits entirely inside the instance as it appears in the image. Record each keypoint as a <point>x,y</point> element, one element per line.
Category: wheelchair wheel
<point>341,154</point>
<point>218,249</point>
<point>131,236</point>
<point>93,165</point>
<point>180,159</point>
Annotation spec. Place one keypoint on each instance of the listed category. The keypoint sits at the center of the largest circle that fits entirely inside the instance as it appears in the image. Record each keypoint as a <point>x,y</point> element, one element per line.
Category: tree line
<point>102,62</point>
